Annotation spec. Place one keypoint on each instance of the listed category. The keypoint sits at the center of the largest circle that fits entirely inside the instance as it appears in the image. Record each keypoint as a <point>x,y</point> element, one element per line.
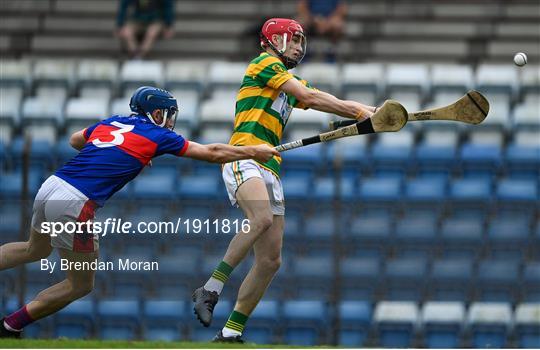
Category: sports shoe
<point>205,301</point>
<point>219,338</point>
<point>4,333</point>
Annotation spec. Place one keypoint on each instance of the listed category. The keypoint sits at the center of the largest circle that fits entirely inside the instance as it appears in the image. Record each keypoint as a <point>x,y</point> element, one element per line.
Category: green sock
<point>219,277</point>
<point>236,322</point>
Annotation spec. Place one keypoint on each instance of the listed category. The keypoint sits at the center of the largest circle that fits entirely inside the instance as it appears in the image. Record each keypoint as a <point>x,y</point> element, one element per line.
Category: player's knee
<point>261,223</point>
<point>81,289</point>
<point>270,264</point>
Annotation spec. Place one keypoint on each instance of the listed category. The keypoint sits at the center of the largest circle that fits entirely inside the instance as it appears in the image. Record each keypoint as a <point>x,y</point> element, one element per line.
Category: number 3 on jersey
<point>118,137</point>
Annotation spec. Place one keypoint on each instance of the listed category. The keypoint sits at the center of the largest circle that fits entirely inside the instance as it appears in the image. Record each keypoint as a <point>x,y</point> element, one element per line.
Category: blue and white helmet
<point>147,99</point>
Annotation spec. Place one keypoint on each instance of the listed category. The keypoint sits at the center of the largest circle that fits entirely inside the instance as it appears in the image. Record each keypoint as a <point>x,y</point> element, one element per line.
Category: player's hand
<point>263,153</point>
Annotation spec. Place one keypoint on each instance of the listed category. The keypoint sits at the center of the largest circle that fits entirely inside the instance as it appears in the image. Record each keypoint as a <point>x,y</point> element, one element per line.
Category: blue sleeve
<point>89,130</point>
<point>171,143</point>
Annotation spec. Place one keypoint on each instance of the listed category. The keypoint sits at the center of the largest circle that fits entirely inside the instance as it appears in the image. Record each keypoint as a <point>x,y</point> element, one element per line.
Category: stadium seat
<point>305,322</point>
<point>425,190</point>
<point>360,277</point>
<point>226,74</point>
<point>451,77</point>
<point>44,109</point>
<point>85,111</point>
<point>321,75</point>
<point>448,277</point>
<point>355,317</point>
<point>496,77</point>
<point>16,73</point>
<point>442,324</point>
<point>527,323</point>
<point>305,157</point>
<point>262,327</point>
<point>404,278</point>
<point>462,231</point>
<point>523,160</point>
<point>137,73</point>
<point>154,186</point>
<point>296,187</point>
<point>75,320</point>
<point>406,76</point>
<point>362,75</point>
<point>526,113</point>
<point>395,322</point>
<point>371,227</point>
<point>97,72</point>
<point>480,159</point>
<point>163,319</point>
<point>54,72</point>
<point>489,324</point>
<point>470,190</point>
<point>509,235</point>
<point>380,190</point>
<point>199,186</point>
<point>391,154</point>
<point>322,226</point>
<point>185,74</point>
<point>517,191</point>
<point>10,104</point>
<point>119,319</point>
<point>497,279</point>
<point>531,281</point>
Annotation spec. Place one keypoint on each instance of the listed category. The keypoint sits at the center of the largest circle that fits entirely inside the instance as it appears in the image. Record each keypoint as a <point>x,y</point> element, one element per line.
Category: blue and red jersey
<point>116,151</point>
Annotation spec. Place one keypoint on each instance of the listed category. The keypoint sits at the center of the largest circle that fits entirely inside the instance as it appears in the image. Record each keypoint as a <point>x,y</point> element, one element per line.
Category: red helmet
<point>287,28</point>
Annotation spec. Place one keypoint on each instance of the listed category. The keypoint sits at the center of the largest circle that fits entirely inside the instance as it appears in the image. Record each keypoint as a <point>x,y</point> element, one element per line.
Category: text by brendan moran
<point>95,265</point>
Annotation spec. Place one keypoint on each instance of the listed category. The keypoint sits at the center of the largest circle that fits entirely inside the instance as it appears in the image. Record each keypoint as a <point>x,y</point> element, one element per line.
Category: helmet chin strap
<point>288,62</point>
<point>165,112</point>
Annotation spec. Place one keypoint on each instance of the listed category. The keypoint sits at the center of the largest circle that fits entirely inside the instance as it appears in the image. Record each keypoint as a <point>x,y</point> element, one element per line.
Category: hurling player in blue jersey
<point>112,153</point>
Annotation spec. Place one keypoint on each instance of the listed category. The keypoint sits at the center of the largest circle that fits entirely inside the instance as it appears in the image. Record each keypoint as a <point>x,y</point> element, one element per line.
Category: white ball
<point>520,59</point>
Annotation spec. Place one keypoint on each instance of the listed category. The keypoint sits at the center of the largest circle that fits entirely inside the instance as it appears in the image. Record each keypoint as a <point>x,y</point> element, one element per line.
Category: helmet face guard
<point>147,99</point>
<point>289,30</point>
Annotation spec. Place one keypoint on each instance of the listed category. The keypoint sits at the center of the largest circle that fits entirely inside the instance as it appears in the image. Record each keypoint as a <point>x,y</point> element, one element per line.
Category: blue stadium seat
<point>509,235</point>
<point>320,227</point>
<point>163,319</point>
<point>405,278</point>
<point>517,191</point>
<point>432,191</point>
<point>442,324</point>
<point>528,325</point>
<point>200,186</point>
<point>523,161</point>
<point>355,319</point>
<point>154,186</point>
<point>296,187</point>
<point>531,281</point>
<point>263,326</point>
<point>360,277</point>
<point>497,279</point>
<point>11,185</point>
<point>324,189</point>
<point>489,324</point>
<point>306,157</point>
<point>75,320</point>
<point>435,159</point>
<point>448,278</point>
<point>480,159</point>
<point>371,228</point>
<point>416,229</point>
<point>380,190</point>
<point>395,322</point>
<point>312,277</point>
<point>462,232</point>
<point>119,319</point>
<point>305,322</point>
<point>470,190</point>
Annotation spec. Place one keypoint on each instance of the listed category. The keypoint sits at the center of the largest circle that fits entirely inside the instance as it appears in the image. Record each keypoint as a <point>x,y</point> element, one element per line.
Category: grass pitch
<point>113,344</point>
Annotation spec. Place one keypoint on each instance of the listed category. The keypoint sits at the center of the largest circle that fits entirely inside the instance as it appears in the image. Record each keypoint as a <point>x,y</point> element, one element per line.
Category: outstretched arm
<point>326,102</point>
<point>222,153</point>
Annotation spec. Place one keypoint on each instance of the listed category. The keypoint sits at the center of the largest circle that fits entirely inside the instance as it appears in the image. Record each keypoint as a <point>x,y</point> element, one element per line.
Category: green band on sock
<point>237,321</point>
<point>222,272</point>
